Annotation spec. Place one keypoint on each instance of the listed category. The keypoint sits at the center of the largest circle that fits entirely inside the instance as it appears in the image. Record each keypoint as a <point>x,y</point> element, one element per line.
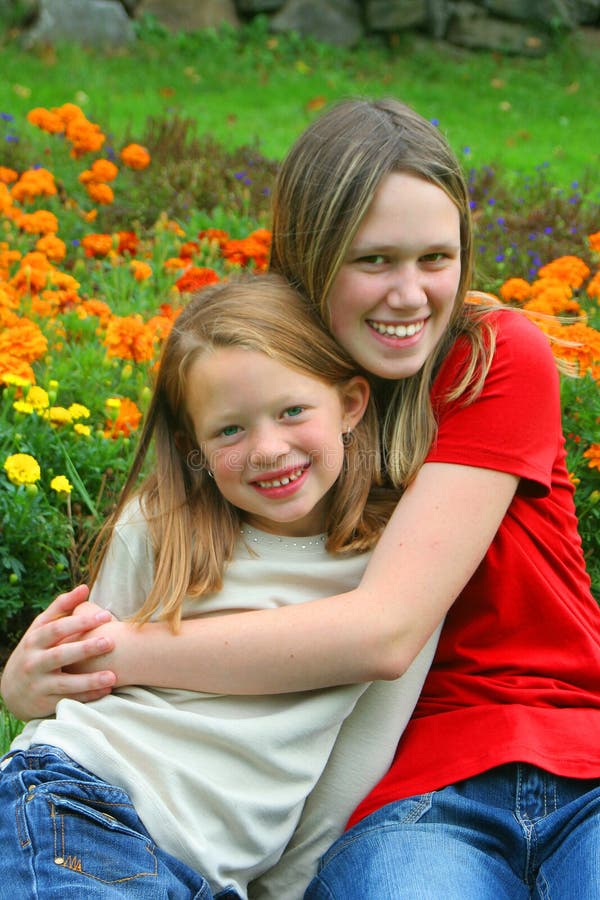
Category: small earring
<point>209,473</point>
<point>347,437</point>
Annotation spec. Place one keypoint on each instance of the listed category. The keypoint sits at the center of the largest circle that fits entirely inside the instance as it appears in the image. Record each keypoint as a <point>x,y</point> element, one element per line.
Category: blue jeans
<point>66,834</point>
<point>513,833</point>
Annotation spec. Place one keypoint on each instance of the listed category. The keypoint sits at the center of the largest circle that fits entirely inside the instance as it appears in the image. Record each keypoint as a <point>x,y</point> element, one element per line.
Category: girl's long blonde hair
<point>323,190</point>
<point>193,528</point>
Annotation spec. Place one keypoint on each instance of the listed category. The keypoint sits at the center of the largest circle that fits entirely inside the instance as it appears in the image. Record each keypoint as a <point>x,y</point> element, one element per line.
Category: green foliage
<point>9,728</point>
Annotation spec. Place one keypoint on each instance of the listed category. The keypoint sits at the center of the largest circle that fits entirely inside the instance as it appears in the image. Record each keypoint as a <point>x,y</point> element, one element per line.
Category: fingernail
<point>107,678</point>
<point>102,616</point>
<point>102,644</point>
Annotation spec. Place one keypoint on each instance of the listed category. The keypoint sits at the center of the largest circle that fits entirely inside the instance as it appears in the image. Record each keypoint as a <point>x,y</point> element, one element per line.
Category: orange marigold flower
<point>594,241</point>
<point>47,120</point>
<point>12,365</point>
<point>214,234</point>
<point>195,278</point>
<point>68,112</point>
<point>593,287</point>
<point>127,420</point>
<point>33,183</point>
<point>104,170</point>
<point>93,307</point>
<point>84,136</point>
<point>9,298</point>
<point>23,340</point>
<point>571,269</point>
<point>128,242</point>
<point>254,248</point>
<point>593,455</point>
<point>100,193</point>
<point>189,249</point>
<point>33,273</point>
<point>7,176</point>
<point>160,326</point>
<point>97,244</point>
<point>6,200</point>
<point>40,222</point>
<point>175,262</point>
<point>577,344</point>
<point>7,258</point>
<point>141,270</point>
<point>515,289</point>
<point>128,337</point>
<point>135,156</point>
<point>63,281</point>
<point>52,247</point>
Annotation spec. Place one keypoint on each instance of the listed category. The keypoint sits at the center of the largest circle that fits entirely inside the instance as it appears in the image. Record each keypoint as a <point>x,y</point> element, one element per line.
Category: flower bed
<point>86,301</point>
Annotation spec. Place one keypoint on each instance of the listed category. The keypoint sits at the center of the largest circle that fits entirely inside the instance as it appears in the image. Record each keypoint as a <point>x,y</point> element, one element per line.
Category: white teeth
<point>400,331</point>
<point>279,482</point>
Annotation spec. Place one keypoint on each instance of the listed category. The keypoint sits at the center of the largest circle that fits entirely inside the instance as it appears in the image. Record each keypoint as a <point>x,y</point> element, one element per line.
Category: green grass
<point>250,85</point>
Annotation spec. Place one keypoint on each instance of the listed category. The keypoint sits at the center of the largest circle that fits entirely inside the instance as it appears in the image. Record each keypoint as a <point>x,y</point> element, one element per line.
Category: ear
<point>355,397</point>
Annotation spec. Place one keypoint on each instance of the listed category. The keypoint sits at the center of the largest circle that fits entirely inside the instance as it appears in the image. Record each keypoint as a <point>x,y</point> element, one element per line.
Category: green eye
<point>292,411</point>
<point>230,430</point>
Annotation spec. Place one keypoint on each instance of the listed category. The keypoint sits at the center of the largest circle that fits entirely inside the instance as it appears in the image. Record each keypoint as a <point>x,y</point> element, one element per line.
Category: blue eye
<point>230,430</point>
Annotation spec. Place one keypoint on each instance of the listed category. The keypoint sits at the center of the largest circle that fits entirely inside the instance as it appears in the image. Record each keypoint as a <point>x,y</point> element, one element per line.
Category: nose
<point>406,290</point>
<point>268,444</point>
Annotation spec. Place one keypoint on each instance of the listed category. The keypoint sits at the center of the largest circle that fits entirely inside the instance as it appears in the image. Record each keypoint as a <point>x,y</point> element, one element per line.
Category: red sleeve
<point>514,425</point>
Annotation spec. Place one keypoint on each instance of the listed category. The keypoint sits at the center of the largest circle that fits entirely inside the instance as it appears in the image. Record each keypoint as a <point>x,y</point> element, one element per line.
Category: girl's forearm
<point>434,542</point>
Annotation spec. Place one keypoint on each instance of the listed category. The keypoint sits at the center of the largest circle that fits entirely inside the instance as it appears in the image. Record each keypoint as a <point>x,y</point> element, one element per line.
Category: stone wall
<point>523,27</point>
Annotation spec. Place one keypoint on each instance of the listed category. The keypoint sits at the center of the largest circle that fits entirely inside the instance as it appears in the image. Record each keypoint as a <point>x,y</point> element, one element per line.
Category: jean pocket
<point>94,832</point>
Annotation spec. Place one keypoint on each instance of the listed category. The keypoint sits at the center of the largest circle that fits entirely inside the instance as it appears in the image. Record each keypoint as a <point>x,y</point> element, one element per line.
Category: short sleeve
<point>127,571</point>
<point>514,425</point>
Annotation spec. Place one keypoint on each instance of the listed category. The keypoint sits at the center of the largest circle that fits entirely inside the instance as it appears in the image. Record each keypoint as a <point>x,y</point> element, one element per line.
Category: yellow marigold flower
<point>16,380</point>
<point>594,241</point>
<point>566,268</point>
<point>135,156</point>
<point>141,270</point>
<point>61,484</point>
<point>83,430</point>
<point>7,176</point>
<point>52,247</point>
<point>46,119</point>
<point>113,403</point>
<point>58,415</point>
<point>38,398</point>
<point>22,468</point>
<point>593,455</point>
<point>23,407</point>
<point>100,193</point>
<point>515,289</point>
<point>78,411</point>
<point>128,337</point>
<point>574,479</point>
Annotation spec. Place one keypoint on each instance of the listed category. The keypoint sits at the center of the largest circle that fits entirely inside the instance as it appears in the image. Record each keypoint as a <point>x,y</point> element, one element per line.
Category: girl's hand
<point>36,676</point>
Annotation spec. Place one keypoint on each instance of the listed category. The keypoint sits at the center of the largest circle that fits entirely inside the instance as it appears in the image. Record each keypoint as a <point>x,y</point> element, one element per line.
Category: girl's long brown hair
<point>193,529</point>
<point>323,190</point>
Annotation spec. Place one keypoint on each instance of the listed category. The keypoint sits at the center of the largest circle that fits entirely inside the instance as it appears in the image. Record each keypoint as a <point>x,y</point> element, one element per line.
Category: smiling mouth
<point>401,331</point>
<point>283,479</point>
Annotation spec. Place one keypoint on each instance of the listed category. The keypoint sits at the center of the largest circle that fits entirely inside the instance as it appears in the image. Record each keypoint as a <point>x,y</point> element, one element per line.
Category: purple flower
<point>6,117</point>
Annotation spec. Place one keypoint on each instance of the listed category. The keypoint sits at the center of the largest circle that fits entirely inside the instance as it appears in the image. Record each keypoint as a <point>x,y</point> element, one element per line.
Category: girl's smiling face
<point>392,299</point>
<point>271,435</point>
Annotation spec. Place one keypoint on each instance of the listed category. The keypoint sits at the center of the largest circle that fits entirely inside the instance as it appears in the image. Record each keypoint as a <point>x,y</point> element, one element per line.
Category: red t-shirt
<point>516,677</point>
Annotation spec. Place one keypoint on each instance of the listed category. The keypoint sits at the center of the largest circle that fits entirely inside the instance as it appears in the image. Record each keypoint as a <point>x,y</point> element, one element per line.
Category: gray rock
<point>190,15</point>
<point>331,21</point>
<point>394,15</point>
<point>18,13</point>
<point>253,7</point>
<point>95,23</point>
<point>470,26</point>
